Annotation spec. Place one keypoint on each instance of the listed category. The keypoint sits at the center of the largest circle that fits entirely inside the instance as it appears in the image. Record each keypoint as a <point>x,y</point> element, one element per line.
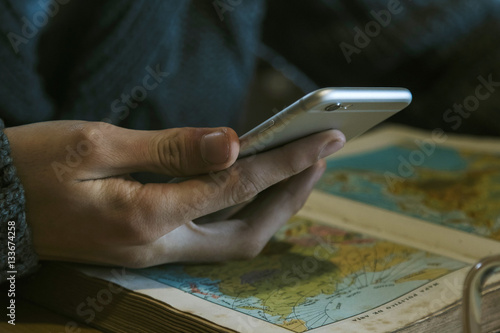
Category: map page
<point>455,188</point>
<point>310,275</point>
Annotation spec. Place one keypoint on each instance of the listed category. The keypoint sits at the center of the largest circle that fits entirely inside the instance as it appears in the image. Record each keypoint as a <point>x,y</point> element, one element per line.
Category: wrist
<point>16,252</point>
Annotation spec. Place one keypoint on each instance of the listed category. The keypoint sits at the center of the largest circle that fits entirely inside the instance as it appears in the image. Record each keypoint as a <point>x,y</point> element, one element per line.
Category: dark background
<point>436,49</point>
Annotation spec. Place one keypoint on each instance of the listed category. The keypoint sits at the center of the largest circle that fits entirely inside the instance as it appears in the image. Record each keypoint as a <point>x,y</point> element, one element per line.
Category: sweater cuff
<point>17,255</point>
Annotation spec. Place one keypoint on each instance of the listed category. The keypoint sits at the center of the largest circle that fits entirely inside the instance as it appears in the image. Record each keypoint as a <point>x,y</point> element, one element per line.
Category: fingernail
<point>215,147</point>
<point>331,147</point>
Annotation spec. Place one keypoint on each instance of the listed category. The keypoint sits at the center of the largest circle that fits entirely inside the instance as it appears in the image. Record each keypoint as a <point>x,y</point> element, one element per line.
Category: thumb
<point>179,152</point>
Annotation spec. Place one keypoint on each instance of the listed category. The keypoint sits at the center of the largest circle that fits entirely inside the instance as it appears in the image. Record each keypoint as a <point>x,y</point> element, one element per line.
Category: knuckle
<point>87,142</point>
<point>170,153</point>
<point>93,133</point>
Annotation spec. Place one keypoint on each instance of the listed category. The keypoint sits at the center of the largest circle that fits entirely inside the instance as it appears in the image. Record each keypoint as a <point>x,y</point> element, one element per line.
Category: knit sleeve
<point>17,256</point>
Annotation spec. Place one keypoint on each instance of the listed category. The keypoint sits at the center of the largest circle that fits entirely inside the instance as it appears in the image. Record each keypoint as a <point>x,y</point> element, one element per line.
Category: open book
<point>383,244</point>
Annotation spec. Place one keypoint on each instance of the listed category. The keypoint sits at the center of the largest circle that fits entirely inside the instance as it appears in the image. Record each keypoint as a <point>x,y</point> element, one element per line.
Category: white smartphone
<point>350,110</point>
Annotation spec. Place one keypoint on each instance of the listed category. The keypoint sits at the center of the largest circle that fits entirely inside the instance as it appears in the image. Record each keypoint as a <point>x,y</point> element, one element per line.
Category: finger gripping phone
<point>351,110</point>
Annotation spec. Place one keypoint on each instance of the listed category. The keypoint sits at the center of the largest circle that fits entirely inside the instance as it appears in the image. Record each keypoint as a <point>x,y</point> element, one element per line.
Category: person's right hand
<point>83,205</point>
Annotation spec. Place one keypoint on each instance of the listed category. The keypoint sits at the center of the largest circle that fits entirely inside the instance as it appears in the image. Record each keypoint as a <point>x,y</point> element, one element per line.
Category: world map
<point>451,187</point>
<point>310,275</point>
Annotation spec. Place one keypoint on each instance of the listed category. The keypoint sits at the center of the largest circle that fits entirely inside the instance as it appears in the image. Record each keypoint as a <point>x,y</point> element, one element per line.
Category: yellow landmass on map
<point>475,192</point>
<point>382,256</point>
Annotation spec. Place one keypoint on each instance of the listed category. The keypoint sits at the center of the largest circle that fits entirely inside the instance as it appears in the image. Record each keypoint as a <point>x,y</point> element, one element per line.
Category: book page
<point>311,277</point>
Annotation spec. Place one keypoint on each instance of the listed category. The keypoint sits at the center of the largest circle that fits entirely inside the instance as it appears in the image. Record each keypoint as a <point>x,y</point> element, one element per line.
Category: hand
<point>83,205</point>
